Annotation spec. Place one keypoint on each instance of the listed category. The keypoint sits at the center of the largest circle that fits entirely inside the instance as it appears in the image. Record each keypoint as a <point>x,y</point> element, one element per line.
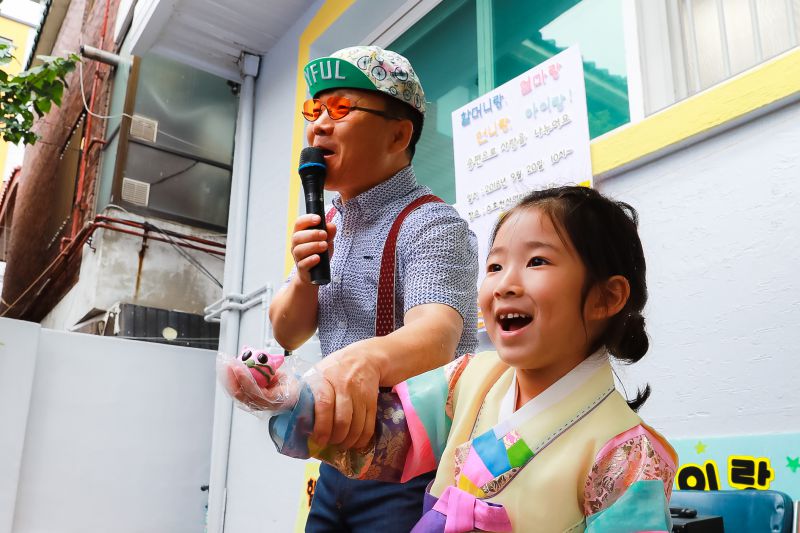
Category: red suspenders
<point>385,319</point>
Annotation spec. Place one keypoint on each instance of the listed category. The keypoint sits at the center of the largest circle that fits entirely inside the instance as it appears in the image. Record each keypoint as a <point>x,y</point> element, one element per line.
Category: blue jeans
<point>341,504</point>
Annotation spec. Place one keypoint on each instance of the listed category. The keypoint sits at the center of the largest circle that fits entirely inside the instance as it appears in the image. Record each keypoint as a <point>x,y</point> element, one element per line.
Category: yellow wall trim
<point>327,15</point>
<point>761,87</point>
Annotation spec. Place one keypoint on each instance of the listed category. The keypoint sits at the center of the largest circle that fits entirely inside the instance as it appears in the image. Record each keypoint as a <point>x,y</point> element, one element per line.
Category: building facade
<point>19,25</point>
<point>120,209</point>
<point>693,107</point>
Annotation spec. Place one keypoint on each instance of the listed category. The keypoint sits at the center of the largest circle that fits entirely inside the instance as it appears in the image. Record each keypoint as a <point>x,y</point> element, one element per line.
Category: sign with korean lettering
<point>306,494</point>
<point>529,133</point>
<point>758,462</point>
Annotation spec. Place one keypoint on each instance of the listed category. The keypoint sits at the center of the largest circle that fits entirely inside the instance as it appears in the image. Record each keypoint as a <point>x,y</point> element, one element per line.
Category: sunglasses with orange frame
<point>338,107</point>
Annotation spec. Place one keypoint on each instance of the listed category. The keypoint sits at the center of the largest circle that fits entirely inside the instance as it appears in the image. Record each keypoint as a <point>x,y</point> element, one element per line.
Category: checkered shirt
<point>437,262</point>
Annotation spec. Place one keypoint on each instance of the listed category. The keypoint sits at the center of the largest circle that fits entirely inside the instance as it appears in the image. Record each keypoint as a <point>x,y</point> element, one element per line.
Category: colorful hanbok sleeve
<point>411,429</point>
<point>629,485</point>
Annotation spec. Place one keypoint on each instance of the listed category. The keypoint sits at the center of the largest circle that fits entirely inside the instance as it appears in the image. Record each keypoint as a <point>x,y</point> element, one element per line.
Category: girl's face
<point>531,296</point>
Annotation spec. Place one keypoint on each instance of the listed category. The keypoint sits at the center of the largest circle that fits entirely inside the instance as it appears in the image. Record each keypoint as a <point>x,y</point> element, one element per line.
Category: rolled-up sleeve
<point>438,262</point>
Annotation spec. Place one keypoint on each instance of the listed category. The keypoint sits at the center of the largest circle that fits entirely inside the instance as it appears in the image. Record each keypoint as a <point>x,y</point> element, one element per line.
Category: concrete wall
<point>101,434</point>
<point>719,226</point>
<point>110,272</point>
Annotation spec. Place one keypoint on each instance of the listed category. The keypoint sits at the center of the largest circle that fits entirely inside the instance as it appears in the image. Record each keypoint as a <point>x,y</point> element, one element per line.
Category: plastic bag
<point>260,382</point>
<point>282,389</point>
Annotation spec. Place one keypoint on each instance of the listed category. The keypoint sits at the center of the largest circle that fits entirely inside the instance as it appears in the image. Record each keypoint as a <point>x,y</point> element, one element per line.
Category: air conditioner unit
<point>151,324</point>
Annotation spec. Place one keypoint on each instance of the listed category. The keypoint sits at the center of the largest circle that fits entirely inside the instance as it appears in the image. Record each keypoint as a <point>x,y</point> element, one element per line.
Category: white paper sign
<point>531,132</point>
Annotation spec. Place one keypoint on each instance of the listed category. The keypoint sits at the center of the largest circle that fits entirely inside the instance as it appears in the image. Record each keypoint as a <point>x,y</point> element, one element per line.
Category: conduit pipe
<point>70,246</point>
<point>80,200</point>
<point>150,227</point>
<point>232,284</point>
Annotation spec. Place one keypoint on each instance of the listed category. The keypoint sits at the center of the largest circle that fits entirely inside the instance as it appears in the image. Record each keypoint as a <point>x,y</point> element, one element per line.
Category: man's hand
<point>346,399</point>
<point>308,243</point>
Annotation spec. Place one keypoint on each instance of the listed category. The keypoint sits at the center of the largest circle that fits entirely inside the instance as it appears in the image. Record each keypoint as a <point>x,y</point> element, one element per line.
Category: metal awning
<point>211,35</point>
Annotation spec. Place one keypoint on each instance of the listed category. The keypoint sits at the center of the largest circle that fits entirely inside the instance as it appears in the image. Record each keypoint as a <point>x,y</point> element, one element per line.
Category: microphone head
<point>312,157</point>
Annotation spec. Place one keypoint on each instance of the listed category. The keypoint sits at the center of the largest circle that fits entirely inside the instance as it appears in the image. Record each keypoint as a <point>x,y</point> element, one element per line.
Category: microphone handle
<point>321,272</point>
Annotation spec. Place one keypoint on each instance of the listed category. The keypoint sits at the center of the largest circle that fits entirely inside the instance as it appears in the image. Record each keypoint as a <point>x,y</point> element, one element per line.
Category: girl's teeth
<point>513,315</point>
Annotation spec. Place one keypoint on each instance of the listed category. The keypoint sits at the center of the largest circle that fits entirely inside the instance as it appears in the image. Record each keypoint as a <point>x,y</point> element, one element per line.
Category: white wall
<point>116,433</point>
<point>19,347</point>
<point>24,11</point>
<point>719,222</point>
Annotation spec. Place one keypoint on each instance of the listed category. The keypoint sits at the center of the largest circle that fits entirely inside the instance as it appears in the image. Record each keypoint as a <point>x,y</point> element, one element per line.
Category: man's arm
<point>346,401</point>
<point>439,268</point>
<point>293,311</point>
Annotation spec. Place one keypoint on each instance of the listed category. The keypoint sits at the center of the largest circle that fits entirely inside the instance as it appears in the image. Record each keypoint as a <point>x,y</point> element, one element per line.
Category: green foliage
<point>29,92</point>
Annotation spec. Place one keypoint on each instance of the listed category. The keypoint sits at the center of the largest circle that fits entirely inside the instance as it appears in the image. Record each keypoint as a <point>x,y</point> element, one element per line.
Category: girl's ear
<point>608,298</point>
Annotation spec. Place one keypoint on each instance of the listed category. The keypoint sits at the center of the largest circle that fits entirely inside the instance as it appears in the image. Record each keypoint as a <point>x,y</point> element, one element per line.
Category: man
<point>366,115</point>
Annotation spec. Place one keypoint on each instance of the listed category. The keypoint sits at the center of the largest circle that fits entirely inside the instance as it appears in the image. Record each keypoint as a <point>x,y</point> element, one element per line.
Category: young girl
<point>533,437</point>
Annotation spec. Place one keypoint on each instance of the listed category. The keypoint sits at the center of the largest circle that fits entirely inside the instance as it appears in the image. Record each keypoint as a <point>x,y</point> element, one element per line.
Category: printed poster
<point>531,132</point>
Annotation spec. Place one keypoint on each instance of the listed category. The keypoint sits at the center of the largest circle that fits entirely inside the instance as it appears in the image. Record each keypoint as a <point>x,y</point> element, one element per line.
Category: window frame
<point>668,67</point>
<point>122,134</point>
<point>412,11</point>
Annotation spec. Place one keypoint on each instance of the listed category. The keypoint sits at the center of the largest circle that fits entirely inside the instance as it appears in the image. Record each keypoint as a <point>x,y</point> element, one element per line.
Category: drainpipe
<point>232,284</point>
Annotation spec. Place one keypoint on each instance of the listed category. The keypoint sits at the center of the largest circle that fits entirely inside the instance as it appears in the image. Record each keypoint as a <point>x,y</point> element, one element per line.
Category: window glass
<point>740,38</point>
<point>179,186</point>
<point>443,48</point>
<point>701,20</point>
<point>526,33</point>
<point>119,89</point>
<point>449,47</point>
<point>196,111</point>
<point>107,165</point>
<point>115,109</point>
<point>188,167</point>
<point>721,39</point>
<point>774,27</point>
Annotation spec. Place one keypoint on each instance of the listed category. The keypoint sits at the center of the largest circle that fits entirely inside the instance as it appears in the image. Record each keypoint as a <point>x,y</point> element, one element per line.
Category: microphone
<point>312,174</point>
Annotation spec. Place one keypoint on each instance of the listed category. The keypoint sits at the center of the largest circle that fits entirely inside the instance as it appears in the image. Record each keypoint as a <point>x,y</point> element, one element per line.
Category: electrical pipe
<point>153,237</point>
<point>151,227</point>
<point>90,52</point>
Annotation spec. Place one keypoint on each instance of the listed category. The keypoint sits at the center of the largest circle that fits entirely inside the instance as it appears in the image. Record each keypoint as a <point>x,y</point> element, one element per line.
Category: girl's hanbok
<point>575,458</point>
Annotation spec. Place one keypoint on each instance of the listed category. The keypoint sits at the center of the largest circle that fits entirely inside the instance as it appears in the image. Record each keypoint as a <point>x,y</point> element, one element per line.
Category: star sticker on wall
<point>794,464</point>
<point>700,447</point>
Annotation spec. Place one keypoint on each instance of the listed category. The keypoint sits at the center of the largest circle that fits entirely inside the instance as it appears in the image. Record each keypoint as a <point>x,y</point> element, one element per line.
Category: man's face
<point>355,146</point>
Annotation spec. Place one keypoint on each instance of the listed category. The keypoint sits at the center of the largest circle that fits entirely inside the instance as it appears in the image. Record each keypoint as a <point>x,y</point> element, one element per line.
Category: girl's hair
<point>603,233</point>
